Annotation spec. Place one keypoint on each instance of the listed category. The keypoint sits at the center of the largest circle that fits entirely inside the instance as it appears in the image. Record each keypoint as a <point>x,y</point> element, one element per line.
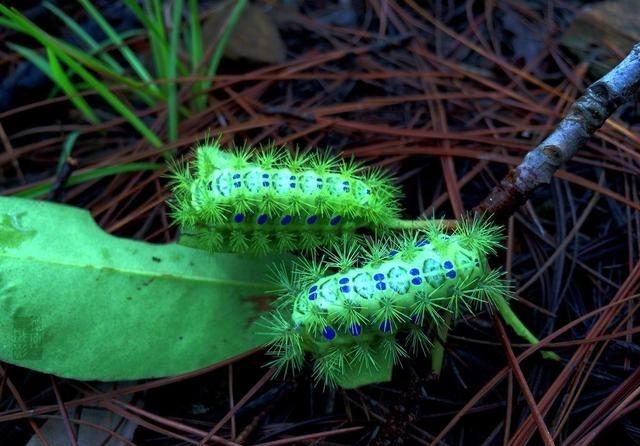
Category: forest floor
<point>447,96</point>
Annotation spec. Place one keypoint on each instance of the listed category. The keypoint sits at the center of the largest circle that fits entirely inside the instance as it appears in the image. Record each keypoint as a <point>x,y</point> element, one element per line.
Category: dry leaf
<point>255,36</point>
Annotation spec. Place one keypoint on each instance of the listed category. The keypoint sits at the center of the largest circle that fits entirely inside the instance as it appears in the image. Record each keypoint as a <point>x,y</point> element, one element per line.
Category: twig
<point>269,400</point>
<point>585,116</point>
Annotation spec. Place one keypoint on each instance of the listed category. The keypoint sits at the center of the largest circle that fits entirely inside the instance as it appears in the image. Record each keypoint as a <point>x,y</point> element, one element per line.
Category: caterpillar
<point>248,200</point>
<point>354,304</point>
<point>351,308</point>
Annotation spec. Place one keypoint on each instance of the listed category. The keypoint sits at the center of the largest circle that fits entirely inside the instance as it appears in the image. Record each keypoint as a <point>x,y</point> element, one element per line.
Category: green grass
<point>91,68</point>
<point>82,177</point>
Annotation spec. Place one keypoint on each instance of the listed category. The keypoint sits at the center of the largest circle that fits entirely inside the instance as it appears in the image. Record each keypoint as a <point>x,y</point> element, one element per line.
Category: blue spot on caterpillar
<point>348,316</point>
<point>329,333</point>
<point>284,200</point>
<point>262,219</point>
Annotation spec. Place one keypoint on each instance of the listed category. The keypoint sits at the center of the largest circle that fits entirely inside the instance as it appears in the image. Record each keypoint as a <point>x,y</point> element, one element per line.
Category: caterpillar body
<point>275,200</point>
<point>402,287</point>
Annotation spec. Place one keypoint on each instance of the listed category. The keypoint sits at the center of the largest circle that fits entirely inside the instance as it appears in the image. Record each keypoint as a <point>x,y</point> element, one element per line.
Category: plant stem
<point>521,330</point>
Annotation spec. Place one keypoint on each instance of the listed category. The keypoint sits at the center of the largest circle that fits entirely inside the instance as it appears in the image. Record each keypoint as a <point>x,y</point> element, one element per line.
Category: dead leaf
<point>255,36</point>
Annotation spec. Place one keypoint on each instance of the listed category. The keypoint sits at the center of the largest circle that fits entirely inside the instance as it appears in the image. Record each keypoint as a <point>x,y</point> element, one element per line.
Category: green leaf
<point>79,303</point>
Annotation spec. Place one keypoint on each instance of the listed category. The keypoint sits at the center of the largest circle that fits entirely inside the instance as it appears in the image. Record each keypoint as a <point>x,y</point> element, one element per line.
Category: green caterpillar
<point>267,200</point>
<point>404,286</point>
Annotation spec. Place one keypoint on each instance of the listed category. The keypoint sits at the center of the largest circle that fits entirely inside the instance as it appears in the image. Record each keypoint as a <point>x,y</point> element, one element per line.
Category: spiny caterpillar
<point>272,199</point>
<point>351,315</point>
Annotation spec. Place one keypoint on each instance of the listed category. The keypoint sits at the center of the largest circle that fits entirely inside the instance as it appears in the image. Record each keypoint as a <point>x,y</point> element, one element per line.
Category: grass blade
<point>172,97</point>
<point>195,45</point>
<point>85,37</point>
<point>195,42</point>
<point>33,57</point>
<point>55,72</point>
<point>67,147</point>
<point>156,34</point>
<point>113,100</point>
<point>60,78</point>
<point>82,177</point>
<point>126,52</point>
<point>20,23</point>
<point>219,51</point>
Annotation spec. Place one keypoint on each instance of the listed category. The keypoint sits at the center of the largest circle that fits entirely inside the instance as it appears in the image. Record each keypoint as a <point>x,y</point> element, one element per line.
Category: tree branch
<point>585,116</point>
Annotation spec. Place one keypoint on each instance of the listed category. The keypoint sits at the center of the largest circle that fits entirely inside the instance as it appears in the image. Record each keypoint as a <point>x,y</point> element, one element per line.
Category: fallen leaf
<point>255,36</point>
<point>79,303</point>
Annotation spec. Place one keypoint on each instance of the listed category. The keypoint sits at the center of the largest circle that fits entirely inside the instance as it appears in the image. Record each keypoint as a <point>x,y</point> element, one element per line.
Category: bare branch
<point>586,116</point>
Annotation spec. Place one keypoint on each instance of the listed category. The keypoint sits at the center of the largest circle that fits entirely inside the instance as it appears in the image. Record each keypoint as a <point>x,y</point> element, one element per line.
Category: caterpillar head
<point>270,199</point>
<point>356,304</point>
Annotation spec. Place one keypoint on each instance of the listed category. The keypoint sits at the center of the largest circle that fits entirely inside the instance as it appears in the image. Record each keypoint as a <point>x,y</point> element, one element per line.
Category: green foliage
<point>79,303</point>
<point>90,66</point>
<point>187,308</point>
<point>82,177</point>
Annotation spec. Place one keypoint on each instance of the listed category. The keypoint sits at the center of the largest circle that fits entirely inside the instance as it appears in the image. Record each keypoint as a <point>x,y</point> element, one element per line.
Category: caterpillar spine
<point>272,199</point>
<point>346,311</point>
